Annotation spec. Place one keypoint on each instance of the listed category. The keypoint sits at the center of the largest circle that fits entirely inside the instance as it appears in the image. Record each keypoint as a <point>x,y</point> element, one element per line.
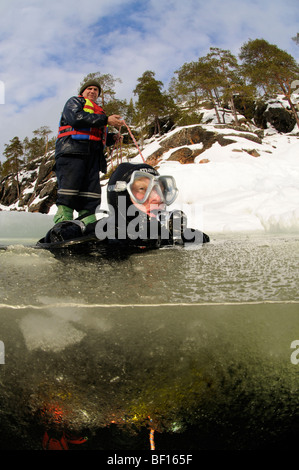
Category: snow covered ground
<point>235,191</point>
<point>238,192</point>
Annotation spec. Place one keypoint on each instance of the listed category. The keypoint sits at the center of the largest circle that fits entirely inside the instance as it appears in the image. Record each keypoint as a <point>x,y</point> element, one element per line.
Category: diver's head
<point>141,185</point>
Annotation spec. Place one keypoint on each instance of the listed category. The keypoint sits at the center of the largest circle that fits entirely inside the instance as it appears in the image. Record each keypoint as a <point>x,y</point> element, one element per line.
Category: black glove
<point>66,230</point>
<point>171,225</point>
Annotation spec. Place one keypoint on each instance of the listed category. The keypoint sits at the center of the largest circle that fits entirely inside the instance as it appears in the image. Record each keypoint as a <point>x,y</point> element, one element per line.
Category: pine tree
<point>152,102</point>
<point>296,38</point>
<point>187,84</point>
<point>198,80</point>
<point>13,163</point>
<point>13,153</point>
<point>33,148</point>
<point>227,69</point>
<point>43,132</point>
<point>119,107</point>
<point>131,114</point>
<point>216,77</point>
<point>271,69</point>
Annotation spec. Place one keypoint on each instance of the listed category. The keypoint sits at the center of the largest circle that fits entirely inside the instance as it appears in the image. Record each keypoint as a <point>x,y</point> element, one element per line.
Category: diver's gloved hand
<point>172,225</point>
<point>177,224</point>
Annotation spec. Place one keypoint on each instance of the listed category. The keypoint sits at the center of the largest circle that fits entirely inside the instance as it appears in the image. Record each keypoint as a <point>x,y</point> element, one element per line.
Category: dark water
<point>193,344</point>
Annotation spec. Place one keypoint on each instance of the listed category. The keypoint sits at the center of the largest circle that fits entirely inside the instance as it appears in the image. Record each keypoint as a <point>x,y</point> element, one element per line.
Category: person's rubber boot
<point>63,213</point>
<point>89,219</point>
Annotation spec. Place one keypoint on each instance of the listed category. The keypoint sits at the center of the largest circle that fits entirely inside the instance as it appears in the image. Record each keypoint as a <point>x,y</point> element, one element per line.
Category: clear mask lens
<point>169,189</point>
<point>142,184</point>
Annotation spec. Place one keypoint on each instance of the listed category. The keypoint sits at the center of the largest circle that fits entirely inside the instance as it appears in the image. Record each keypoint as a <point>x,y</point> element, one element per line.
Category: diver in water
<point>137,198</point>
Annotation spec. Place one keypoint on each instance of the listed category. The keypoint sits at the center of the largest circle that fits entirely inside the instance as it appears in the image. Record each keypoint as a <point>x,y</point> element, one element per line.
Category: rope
<point>151,438</point>
<point>134,140</point>
<point>118,148</point>
<point>151,435</point>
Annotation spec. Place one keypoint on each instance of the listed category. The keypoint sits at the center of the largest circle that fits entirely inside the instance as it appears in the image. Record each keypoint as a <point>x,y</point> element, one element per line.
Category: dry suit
<point>79,154</point>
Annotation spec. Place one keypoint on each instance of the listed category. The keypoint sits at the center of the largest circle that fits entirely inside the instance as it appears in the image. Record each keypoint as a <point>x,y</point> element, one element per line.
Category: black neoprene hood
<point>123,173</point>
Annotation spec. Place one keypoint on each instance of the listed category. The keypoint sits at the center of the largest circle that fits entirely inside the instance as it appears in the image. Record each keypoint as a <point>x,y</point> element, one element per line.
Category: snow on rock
<point>236,191</point>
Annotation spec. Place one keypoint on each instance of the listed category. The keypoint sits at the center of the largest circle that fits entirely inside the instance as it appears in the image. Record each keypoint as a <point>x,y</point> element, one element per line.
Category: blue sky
<point>48,46</point>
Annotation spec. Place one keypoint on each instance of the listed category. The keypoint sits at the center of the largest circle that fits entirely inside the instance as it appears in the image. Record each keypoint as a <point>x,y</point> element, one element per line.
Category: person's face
<point>154,200</point>
<point>91,93</point>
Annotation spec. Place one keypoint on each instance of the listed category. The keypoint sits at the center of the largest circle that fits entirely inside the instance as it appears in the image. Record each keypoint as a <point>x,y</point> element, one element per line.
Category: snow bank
<point>235,191</point>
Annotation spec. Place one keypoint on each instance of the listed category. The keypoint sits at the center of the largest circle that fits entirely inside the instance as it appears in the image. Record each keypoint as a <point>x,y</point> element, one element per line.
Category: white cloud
<point>47,47</point>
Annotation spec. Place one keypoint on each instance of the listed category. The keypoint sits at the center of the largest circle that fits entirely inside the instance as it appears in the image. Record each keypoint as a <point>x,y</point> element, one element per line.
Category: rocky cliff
<point>33,189</point>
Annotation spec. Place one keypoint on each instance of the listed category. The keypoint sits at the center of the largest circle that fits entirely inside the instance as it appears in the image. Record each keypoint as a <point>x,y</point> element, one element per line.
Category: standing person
<point>79,154</point>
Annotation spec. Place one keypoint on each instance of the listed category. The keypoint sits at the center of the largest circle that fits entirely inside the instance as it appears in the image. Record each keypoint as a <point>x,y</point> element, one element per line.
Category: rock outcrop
<point>184,142</point>
<point>33,189</point>
<point>275,113</point>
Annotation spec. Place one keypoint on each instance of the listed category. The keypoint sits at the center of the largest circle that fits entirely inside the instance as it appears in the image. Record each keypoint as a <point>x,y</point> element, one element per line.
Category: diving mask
<point>142,183</point>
